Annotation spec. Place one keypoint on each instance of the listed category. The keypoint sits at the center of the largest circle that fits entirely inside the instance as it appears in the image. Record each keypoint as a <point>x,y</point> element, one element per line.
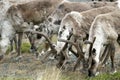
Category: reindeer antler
<point>42,34</point>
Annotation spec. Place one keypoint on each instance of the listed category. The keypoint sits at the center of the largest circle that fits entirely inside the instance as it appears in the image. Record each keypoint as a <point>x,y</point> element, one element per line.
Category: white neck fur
<point>118,3</point>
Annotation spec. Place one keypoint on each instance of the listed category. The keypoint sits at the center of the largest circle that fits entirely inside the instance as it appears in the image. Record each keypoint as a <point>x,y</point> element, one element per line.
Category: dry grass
<point>50,74</point>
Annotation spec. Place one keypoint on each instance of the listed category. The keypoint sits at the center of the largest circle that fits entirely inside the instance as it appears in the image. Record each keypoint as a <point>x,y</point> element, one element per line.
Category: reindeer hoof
<point>1,57</point>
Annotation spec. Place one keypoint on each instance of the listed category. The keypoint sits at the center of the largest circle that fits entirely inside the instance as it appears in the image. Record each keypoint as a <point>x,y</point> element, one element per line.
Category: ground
<point>29,68</point>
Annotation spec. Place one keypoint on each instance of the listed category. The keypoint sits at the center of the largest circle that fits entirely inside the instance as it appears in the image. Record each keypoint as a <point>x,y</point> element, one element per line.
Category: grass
<point>105,76</point>
<point>55,74</point>
<point>25,47</point>
<point>52,73</point>
<point>78,76</point>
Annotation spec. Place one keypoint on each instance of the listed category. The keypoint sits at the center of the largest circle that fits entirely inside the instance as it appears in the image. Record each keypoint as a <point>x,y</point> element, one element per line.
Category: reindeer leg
<point>11,45</point>
<point>20,34</point>
<point>112,55</point>
<point>15,41</point>
<point>31,38</point>
<point>61,61</point>
<point>31,42</point>
<point>105,55</point>
<point>106,59</point>
<point>16,46</point>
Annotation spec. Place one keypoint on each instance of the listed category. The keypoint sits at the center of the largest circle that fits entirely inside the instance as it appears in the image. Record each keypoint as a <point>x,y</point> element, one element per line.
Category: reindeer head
<point>64,33</point>
<point>94,49</point>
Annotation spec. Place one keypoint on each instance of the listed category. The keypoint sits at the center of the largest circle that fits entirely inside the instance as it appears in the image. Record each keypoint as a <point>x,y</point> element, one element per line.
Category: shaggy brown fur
<point>34,11</point>
<point>21,15</point>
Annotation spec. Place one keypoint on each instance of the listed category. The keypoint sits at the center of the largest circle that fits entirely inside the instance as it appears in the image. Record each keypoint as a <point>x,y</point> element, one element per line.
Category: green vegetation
<point>25,47</point>
<point>79,76</point>
<point>115,76</point>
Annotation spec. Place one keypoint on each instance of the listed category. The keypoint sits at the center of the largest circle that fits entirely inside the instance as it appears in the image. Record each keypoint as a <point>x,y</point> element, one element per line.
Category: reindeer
<point>18,18</point>
<point>78,23</point>
<point>51,26</point>
<point>105,29</point>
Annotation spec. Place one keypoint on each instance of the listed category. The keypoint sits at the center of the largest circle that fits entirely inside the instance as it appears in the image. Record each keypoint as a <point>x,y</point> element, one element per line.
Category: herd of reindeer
<point>88,30</point>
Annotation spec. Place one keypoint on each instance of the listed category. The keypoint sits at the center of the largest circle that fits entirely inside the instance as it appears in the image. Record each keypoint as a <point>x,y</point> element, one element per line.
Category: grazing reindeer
<point>79,24</point>
<point>106,29</point>
<point>18,18</point>
<point>53,22</point>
